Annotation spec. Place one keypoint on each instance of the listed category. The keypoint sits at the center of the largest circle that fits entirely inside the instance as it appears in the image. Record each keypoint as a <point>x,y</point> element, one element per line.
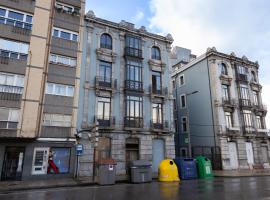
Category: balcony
<point>134,85</point>
<point>133,52</point>
<point>10,93</point>
<point>105,83</point>
<point>105,122</point>
<point>14,32</point>
<point>232,131</point>
<point>260,108</point>
<point>12,65</point>
<point>22,5</point>
<point>159,126</point>
<point>241,77</point>
<point>249,131</point>
<point>56,132</point>
<point>161,92</point>
<point>262,132</point>
<point>228,102</point>
<point>133,122</point>
<point>245,103</point>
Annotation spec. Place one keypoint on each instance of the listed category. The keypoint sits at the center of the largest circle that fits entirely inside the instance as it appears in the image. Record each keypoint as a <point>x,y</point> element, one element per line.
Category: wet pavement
<point>245,188</point>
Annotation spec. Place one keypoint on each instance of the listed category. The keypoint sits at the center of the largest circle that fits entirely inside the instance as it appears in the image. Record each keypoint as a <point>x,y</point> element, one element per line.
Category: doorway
<point>158,153</point>
<point>249,150</point>
<point>264,154</point>
<point>13,164</point>
<point>233,155</point>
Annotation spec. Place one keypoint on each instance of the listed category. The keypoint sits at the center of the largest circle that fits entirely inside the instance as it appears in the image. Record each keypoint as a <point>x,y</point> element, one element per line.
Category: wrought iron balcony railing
<point>133,122</point>
<point>159,125</point>
<point>134,85</point>
<point>105,121</point>
<point>105,82</point>
<point>133,52</point>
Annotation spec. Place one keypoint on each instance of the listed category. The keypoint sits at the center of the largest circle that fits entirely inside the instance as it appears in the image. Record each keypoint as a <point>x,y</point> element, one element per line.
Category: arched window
<point>254,79</point>
<point>106,41</point>
<point>223,69</point>
<point>155,53</point>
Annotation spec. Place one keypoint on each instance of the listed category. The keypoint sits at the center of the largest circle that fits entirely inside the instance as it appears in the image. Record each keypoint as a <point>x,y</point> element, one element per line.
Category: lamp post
<point>189,134</point>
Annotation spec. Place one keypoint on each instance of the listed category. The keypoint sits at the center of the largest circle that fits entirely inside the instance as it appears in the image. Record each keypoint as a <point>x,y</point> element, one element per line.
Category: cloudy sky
<point>242,26</point>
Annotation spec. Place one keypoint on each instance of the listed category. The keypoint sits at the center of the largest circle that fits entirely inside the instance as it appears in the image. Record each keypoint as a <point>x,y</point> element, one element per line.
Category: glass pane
<point>49,88</point>
<point>10,22</point>
<point>2,79</point>
<point>70,91</point>
<point>13,115</point>
<point>15,15</point>
<point>53,58</point>
<point>100,109</point>
<point>2,20</point>
<point>19,81</point>
<point>55,33</point>
<point>28,18</point>
<point>107,110</point>
<point>2,12</point>
<point>14,55</point>
<point>19,24</point>
<point>4,113</point>
<point>61,158</point>
<point>65,35</point>
<point>74,37</point>
<point>9,80</point>
<point>73,62</point>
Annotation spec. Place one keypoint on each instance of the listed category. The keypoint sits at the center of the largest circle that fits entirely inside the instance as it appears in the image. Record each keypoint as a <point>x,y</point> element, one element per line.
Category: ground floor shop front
<point>32,159</point>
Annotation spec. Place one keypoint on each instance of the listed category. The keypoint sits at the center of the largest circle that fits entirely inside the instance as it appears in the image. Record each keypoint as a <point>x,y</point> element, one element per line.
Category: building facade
<point>219,107</point>
<point>125,89</point>
<point>40,57</point>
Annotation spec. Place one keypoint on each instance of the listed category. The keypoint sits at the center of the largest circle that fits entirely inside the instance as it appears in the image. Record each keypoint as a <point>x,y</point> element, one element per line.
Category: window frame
<point>57,58</point>
<point>181,101</point>
<point>183,78</point>
<point>54,85</point>
<point>155,53</point>
<point>108,41</point>
<point>60,30</point>
<point>49,120</point>
<point>186,124</point>
<point>158,110</point>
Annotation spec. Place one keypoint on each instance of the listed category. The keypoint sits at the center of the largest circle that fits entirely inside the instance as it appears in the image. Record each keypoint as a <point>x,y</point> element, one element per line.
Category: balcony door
<point>105,74</point>
<point>104,109</point>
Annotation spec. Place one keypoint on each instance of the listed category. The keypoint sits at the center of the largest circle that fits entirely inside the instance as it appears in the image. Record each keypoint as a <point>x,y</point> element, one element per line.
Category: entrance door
<point>13,163</point>
<point>264,154</point>
<point>233,155</point>
<point>40,161</point>
<point>249,150</point>
<point>158,153</point>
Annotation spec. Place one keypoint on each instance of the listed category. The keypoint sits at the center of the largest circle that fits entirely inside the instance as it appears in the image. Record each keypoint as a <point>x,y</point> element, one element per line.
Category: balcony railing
<point>245,103</point>
<point>4,54</point>
<point>12,93</point>
<point>260,107</point>
<point>229,102</point>
<point>134,85</point>
<point>248,129</point>
<point>129,51</point>
<point>241,77</point>
<point>105,82</point>
<point>158,91</point>
<point>8,125</point>
<point>159,125</point>
<point>133,122</point>
<point>104,121</point>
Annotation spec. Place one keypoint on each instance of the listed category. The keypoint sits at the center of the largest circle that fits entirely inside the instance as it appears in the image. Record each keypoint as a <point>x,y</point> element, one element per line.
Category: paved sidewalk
<point>241,173</point>
<point>8,186</point>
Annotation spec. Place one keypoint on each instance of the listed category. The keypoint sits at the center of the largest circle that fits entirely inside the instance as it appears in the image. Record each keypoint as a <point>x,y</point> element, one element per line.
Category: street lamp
<point>189,134</point>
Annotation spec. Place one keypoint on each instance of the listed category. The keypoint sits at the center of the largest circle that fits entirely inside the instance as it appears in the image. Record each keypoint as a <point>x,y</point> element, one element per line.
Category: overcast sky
<point>242,26</point>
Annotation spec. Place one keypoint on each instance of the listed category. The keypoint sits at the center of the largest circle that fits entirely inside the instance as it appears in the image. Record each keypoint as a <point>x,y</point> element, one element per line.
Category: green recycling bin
<point>204,167</point>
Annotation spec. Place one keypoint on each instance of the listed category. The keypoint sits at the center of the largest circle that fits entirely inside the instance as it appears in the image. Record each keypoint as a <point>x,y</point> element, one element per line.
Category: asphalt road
<point>254,188</point>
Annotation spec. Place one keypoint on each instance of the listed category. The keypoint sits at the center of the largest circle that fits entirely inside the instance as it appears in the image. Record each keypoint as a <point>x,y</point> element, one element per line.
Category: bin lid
<point>106,161</point>
<point>140,163</point>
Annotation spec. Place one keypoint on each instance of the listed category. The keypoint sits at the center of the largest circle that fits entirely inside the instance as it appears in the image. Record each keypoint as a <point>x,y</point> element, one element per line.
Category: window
<point>104,108</point>
<point>183,100</point>
<point>133,46</point>
<point>15,18</point>
<point>11,83</point>
<point>255,98</point>
<point>182,80</point>
<point>247,117</point>
<point>63,60</point>
<point>106,41</point>
<point>59,89</point>
<point>242,70</point>
<point>259,122</point>
<point>228,118</point>
<point>9,118</point>
<point>244,95</point>
<point>223,69</point>
<point>65,7</point>
<point>225,92</point>
<point>59,159</point>
<point>52,160</point>
<point>156,82</point>
<point>184,123</point>
<point>155,53</point>
<point>253,76</point>
<point>12,49</point>
<point>134,75</point>
<point>105,73</point>
<point>65,34</point>
<point>157,113</point>
<point>134,111</point>
<point>57,120</point>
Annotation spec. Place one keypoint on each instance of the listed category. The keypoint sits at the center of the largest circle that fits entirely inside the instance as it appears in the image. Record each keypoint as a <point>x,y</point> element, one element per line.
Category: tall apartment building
<point>218,103</point>
<point>125,88</point>
<point>40,57</point>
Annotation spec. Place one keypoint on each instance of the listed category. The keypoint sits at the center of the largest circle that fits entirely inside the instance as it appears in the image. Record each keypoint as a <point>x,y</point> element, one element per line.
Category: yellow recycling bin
<point>168,171</point>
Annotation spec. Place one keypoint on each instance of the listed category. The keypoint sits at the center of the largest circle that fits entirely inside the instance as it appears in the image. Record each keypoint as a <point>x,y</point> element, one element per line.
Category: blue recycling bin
<point>187,168</point>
